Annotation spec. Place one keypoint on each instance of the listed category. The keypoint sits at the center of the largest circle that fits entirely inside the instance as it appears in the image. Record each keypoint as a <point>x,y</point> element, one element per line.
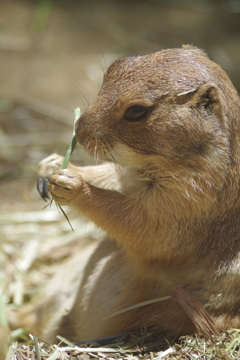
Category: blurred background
<point>53,54</point>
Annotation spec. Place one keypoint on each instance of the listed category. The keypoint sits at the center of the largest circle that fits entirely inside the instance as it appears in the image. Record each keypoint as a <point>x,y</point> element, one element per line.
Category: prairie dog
<point>167,124</point>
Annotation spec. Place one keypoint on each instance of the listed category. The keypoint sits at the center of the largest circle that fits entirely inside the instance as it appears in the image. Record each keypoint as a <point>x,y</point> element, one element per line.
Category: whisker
<point>108,148</point>
<point>85,96</point>
<point>102,62</point>
<point>116,153</point>
<point>95,154</point>
<point>112,160</point>
<point>112,157</point>
<point>106,152</point>
<point>87,147</point>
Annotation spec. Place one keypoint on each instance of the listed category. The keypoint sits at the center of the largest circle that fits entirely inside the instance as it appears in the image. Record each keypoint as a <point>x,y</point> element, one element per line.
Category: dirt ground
<point>52,58</point>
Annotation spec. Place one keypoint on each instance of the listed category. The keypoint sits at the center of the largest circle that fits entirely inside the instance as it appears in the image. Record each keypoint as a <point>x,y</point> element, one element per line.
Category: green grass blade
<point>69,152</point>
<point>65,215</point>
<point>73,142</point>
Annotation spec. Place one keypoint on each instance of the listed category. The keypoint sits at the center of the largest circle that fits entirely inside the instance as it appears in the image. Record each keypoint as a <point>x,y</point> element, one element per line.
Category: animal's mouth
<point>91,146</point>
<point>100,149</point>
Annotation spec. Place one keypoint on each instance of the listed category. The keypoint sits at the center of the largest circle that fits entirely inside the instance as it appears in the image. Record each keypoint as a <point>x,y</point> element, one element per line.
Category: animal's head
<point>170,110</point>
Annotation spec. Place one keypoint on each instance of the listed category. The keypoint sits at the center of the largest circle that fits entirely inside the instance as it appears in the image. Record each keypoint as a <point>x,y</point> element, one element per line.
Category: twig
<point>37,352</point>
<point>87,350</point>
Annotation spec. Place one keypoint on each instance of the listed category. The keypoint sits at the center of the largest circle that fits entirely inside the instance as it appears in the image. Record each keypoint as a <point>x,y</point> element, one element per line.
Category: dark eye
<point>136,113</point>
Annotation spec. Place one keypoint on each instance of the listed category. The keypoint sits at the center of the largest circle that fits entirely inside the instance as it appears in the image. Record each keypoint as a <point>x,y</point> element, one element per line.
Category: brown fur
<point>170,203</point>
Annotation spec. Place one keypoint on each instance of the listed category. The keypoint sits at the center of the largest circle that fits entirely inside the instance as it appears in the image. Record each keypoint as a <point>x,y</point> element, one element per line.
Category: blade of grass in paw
<point>73,142</point>
<point>69,152</point>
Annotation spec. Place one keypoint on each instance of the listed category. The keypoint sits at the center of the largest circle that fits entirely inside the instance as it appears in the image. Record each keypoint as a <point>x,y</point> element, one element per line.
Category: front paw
<point>65,186</point>
<point>46,168</point>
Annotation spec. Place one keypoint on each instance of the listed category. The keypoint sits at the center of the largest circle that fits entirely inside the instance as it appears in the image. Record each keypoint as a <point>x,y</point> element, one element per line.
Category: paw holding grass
<point>65,186</point>
<point>55,181</point>
<point>46,168</point>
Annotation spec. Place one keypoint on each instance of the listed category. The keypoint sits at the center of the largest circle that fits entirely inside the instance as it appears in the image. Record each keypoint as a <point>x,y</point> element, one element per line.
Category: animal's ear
<point>207,100</point>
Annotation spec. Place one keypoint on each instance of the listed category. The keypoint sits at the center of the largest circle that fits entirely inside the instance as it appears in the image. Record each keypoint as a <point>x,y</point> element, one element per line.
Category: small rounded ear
<point>207,100</point>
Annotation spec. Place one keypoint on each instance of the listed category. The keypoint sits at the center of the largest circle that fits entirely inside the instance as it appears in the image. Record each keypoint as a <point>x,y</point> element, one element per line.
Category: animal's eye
<point>136,113</point>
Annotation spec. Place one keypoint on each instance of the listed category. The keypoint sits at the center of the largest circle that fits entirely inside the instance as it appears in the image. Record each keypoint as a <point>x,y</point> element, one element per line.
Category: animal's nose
<point>80,130</point>
<point>85,130</point>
